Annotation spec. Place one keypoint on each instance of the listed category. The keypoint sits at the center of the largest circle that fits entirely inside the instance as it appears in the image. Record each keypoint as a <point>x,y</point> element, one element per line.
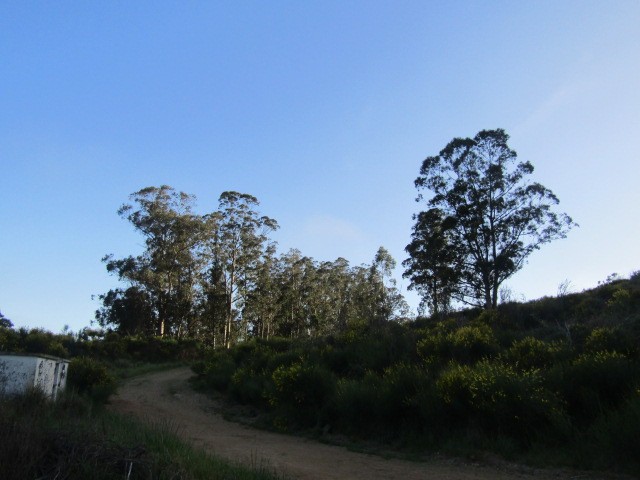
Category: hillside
<point>551,381</point>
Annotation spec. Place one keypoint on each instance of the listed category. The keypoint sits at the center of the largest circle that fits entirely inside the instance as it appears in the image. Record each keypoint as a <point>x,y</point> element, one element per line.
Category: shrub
<point>218,371</point>
<point>472,343</point>
<point>531,353</point>
<point>467,345</point>
<point>248,387</point>
<point>397,403</point>
<point>499,400</point>
<point>607,339</point>
<point>595,382</point>
<point>9,340</point>
<point>302,391</point>
<point>89,376</point>
<point>612,440</point>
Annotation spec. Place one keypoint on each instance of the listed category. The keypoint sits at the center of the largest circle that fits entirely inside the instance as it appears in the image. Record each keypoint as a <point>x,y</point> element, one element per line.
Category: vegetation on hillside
<point>555,380</point>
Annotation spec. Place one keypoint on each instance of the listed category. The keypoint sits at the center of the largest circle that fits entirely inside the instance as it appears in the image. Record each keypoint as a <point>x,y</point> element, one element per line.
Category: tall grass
<point>69,440</point>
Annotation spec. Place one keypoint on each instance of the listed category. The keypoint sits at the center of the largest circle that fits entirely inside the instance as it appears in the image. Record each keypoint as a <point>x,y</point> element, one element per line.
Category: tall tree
<point>237,238</point>
<point>261,306</point>
<point>389,302</point>
<point>167,269</point>
<point>495,217</point>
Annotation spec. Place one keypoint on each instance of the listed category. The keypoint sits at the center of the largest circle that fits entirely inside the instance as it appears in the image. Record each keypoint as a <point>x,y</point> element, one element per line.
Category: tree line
<point>217,277</point>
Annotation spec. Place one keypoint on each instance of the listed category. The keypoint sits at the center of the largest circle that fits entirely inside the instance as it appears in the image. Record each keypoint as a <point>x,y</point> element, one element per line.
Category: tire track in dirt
<point>167,397</point>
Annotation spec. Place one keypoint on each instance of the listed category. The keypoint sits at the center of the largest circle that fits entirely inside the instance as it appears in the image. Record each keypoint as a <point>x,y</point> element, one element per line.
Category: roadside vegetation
<point>553,381</point>
<point>70,439</point>
<point>75,437</point>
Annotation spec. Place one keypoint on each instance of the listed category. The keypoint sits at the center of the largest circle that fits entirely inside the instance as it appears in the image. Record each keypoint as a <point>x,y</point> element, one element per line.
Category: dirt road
<point>167,396</point>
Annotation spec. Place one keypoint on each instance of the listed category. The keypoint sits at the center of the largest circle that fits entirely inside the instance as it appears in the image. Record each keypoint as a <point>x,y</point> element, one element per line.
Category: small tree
<point>5,322</point>
<point>485,218</point>
<point>432,265</point>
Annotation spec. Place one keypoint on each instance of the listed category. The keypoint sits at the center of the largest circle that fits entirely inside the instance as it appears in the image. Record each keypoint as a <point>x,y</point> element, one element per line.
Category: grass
<point>70,439</point>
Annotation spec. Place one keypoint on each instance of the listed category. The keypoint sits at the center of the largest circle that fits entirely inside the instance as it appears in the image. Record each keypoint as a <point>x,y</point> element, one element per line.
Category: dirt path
<point>167,396</point>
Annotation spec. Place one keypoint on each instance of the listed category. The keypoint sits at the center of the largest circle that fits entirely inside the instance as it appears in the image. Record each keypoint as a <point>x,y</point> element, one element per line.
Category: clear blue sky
<point>322,110</point>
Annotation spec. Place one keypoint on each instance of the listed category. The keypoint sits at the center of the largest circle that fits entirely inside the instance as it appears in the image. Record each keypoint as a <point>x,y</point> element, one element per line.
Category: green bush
<point>387,406</point>
<point>472,343</point>
<point>281,359</point>
<point>218,371</point>
<point>302,391</point>
<point>608,339</point>
<point>397,402</point>
<point>352,410</point>
<point>499,400</point>
<point>89,376</point>
<point>9,340</point>
<point>248,387</point>
<point>594,383</point>
<point>612,440</point>
<point>531,353</point>
<point>467,345</point>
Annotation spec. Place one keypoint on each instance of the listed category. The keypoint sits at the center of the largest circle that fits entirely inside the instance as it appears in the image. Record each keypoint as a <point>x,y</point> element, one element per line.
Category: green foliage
<point>524,379</point>
<point>484,218</point>
<point>9,340</point>
<point>594,383</point>
<point>612,440</point>
<point>602,339</point>
<point>71,440</point>
<point>217,372</point>
<point>90,377</point>
<point>499,400</point>
<point>532,354</point>
<point>40,341</point>
<point>216,277</point>
<point>248,386</point>
<point>5,322</point>
<point>467,344</point>
<point>302,390</point>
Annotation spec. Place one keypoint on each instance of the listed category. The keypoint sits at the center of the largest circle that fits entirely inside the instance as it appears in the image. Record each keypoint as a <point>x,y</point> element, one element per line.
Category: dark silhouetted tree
<point>485,218</point>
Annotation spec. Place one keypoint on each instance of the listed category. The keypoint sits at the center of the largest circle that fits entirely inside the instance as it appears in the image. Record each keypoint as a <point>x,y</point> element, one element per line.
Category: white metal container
<point>19,372</point>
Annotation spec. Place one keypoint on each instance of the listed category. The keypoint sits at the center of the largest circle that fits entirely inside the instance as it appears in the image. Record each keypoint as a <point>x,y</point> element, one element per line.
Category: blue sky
<point>322,110</point>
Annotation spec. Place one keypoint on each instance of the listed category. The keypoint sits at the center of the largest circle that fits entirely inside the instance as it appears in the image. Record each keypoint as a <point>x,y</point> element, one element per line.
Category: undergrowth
<point>69,439</point>
<point>554,381</point>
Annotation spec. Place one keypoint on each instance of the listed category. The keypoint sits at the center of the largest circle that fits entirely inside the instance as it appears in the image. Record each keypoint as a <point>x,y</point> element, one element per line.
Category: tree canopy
<point>484,218</point>
<point>218,277</point>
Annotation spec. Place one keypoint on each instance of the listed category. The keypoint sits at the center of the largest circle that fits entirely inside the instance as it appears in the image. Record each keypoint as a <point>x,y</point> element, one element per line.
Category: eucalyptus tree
<point>389,302</point>
<point>167,269</point>
<point>374,298</point>
<point>261,306</point>
<point>490,214</point>
<point>433,264</point>
<point>237,236</point>
<point>130,311</point>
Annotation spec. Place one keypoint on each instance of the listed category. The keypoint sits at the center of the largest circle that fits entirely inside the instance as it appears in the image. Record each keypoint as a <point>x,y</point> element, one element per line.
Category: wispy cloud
<point>565,96</point>
<point>327,237</point>
<point>332,229</point>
